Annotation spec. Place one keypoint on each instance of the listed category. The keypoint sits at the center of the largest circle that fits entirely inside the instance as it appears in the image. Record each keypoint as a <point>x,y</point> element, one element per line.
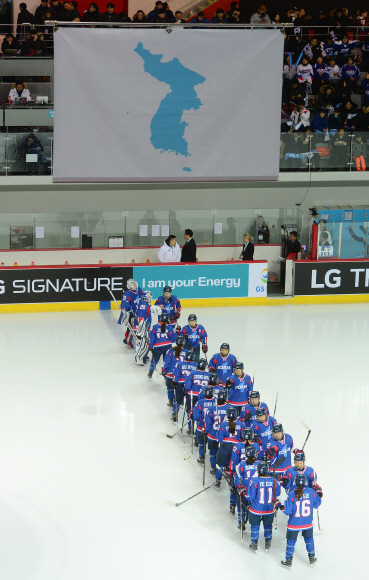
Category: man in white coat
<point>170,250</point>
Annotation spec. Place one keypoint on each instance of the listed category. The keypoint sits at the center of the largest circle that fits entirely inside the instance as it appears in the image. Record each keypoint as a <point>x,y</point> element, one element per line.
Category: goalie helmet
<point>132,285</point>
<point>147,296</point>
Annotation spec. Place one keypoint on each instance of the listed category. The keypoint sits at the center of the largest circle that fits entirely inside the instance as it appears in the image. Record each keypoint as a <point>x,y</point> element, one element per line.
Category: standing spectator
<point>349,116</point>
<point>24,17</point>
<point>40,12</point>
<point>153,13</point>
<point>140,17</point>
<point>234,6</point>
<point>260,16</point>
<point>189,248</point>
<point>305,71</point>
<point>110,15</point>
<point>328,47</point>
<point>320,74</point>
<point>200,19</point>
<point>92,14</point>
<point>48,32</point>
<point>358,152</point>
<point>19,91</point>
<point>364,86</point>
<point>247,248</point>
<point>363,119</point>
<point>262,231</point>
<point>312,50</point>
<point>345,47</point>
<point>9,45</point>
<point>340,149</point>
<point>219,17</point>
<point>365,52</point>
<point>339,21</point>
<point>350,73</point>
<point>72,13</point>
<point>57,9</point>
<point>170,250</point>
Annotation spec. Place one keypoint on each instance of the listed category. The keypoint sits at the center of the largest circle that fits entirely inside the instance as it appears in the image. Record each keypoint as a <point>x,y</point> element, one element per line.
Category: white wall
<point>127,255</point>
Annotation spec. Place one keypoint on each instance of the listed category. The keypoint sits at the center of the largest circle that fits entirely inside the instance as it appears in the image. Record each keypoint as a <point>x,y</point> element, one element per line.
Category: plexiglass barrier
<point>343,233</point>
<point>143,228</point>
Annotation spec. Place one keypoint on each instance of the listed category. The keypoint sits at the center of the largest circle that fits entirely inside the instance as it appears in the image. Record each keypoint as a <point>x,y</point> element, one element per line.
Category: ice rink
<point>85,470</point>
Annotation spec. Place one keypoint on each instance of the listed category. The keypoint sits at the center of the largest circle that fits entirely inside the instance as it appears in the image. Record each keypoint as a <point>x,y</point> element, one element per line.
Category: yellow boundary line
<point>193,303</point>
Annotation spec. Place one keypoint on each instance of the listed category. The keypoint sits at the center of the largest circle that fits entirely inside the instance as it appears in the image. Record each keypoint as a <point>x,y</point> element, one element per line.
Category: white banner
<point>144,105</point>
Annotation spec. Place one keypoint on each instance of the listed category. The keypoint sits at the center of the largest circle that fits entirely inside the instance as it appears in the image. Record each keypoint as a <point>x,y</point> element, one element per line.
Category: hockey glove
<point>178,329</point>
<point>212,369</point>
<point>174,384</point>
<point>162,372</point>
<point>204,348</point>
<point>318,489</point>
<point>276,504</point>
<point>283,480</point>
<point>271,452</point>
<point>248,416</point>
<point>229,384</point>
<point>297,451</point>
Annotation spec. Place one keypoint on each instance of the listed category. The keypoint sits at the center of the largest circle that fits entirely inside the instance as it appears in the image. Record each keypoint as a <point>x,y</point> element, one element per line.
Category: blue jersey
<point>283,449</point>
<point>159,338</point>
<point>350,71</point>
<point>224,436</point>
<point>263,430</point>
<point>238,394</point>
<point>130,300</point>
<point>252,409</point>
<point>214,417</point>
<point>222,366</point>
<point>194,335</point>
<point>243,473</point>
<point>365,86</point>
<point>261,492</point>
<point>200,411</point>
<point>172,307</point>
<point>183,370</point>
<point>292,472</point>
<point>143,312</point>
<point>320,71</point>
<point>238,453</point>
<point>328,49</point>
<point>300,511</point>
<point>345,49</point>
<point>196,380</point>
<point>216,391</point>
<point>170,361</point>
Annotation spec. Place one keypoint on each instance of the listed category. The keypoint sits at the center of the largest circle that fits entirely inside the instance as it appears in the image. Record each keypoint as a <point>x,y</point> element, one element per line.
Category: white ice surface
<point>85,470</point>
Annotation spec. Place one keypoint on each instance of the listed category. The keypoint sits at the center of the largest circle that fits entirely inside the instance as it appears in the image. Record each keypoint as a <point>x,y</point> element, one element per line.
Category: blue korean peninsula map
<point>167,127</point>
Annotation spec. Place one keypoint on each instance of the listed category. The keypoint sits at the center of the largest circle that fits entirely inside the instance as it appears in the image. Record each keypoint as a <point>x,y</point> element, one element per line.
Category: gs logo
<point>260,288</point>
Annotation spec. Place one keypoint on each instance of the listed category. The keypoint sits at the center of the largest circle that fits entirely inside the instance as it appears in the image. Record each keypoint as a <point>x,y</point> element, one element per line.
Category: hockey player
<point>143,323</point>
<point>170,303</point>
<point>214,382</point>
<point>262,492</point>
<point>299,468</point>
<point>239,386</point>
<point>279,445</point>
<point>161,338</point>
<point>223,363</point>
<point>172,356</point>
<point>228,434</point>
<point>181,371</point>
<point>248,439</point>
<point>248,411</point>
<point>262,426</point>
<point>199,414</point>
<point>194,334</point>
<point>214,417</point>
<point>129,301</point>
<point>299,506</point>
<point>243,471</point>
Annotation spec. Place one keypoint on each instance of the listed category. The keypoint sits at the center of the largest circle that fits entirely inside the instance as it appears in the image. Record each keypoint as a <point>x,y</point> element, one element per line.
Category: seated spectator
<point>19,91</point>
<point>31,145</point>
<point>340,151</point>
<point>168,12</point>
<point>9,45</point>
<point>178,17</point>
<point>364,86</point>
<point>234,6</point>
<point>334,122</point>
<point>351,73</point>
<point>349,116</point>
<point>219,17</point>
<point>140,17</point>
<point>359,152</point>
<point>260,16</point>
<point>326,99</point>
<point>277,20</point>
<point>363,119</point>
<point>300,118</point>
<point>24,17</point>
<point>312,50</point>
<point>345,47</point>
<point>34,44</point>
<point>71,11</point>
<point>110,15</point>
<point>161,17</point>
<point>333,70</point>
<point>92,14</point>
<point>305,71</point>
<point>200,19</point>
<point>320,122</point>
<point>40,12</point>
<point>343,92</point>
<point>153,13</point>
<point>57,9</point>
<point>320,74</point>
<point>124,17</point>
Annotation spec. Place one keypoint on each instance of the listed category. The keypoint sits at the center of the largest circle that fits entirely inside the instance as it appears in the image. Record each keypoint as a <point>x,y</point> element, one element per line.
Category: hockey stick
<point>308,435</point>
<point>188,499</point>
<point>317,509</point>
<point>189,455</point>
<point>280,460</point>
<point>275,406</point>
<point>203,475</point>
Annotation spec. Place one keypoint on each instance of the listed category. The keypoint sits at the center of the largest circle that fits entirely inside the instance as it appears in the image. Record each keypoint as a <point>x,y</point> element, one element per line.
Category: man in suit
<point>189,249</point>
<point>293,246</point>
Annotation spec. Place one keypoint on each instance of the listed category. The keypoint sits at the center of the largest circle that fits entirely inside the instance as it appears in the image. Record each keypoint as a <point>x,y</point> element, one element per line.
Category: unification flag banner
<point>139,105</point>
